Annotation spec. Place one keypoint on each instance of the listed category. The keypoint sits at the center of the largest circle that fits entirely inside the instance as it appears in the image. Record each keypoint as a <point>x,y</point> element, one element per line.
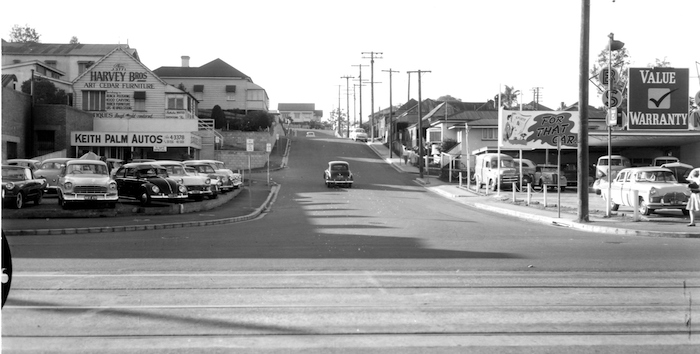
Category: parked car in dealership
<point>31,163</point>
<point>657,188</point>
<point>338,174</point>
<point>198,186</point>
<point>358,134</point>
<point>680,170</point>
<point>234,178</point>
<point>488,172</point>
<point>49,170</point>
<point>570,172</point>
<point>86,182</point>
<point>19,185</point>
<point>228,180</point>
<point>528,170</point>
<point>146,182</point>
<point>548,175</point>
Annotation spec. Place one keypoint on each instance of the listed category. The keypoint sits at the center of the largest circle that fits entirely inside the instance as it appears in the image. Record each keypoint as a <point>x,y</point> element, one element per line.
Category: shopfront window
<point>176,103</point>
<point>94,100</point>
<point>140,101</point>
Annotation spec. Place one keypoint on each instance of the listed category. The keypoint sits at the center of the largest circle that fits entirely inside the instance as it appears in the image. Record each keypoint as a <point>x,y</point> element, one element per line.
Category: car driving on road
<point>338,174</point>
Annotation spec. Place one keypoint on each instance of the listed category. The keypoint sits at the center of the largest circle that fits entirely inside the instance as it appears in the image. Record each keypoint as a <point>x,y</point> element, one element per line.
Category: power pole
<point>347,98</point>
<point>391,116</point>
<point>340,119</point>
<point>582,157</point>
<point>360,80</point>
<point>372,55</point>
<point>536,97</point>
<point>420,123</point>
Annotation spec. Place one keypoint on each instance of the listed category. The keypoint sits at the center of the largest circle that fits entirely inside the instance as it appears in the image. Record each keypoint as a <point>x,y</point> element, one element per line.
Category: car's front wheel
<point>144,198</point>
<point>643,207</point>
<point>19,201</point>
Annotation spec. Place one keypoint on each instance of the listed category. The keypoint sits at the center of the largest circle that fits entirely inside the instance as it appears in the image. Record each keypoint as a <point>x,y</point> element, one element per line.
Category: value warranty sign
<point>658,98</point>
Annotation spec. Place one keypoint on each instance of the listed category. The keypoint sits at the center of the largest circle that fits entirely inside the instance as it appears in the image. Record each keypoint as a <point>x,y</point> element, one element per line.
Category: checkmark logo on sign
<point>660,98</point>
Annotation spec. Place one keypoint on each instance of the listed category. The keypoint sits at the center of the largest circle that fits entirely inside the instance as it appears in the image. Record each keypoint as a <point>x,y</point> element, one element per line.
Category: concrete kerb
<point>264,208</point>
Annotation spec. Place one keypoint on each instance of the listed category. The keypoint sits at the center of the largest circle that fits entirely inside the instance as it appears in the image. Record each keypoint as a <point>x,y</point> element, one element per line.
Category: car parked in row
<point>198,186</point>
<point>31,163</point>
<point>146,182</point>
<point>49,170</point>
<point>549,176</point>
<point>656,187</point>
<point>221,180</point>
<point>234,179</point>
<point>19,185</point>
<point>528,172</point>
<point>86,182</point>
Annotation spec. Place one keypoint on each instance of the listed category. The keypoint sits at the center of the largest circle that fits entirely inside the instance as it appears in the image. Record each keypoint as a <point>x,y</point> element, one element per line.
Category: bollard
<point>635,195</point>
<point>514,190</point>
<point>460,179</point>
<point>544,191</point>
<point>529,194</point>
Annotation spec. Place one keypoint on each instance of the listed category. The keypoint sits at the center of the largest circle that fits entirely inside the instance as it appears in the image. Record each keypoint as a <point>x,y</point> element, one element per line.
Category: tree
<point>45,92</point>
<point>509,97</point>
<point>660,63</point>
<point>217,114</point>
<point>74,40</point>
<point>24,34</point>
<point>448,98</point>
<point>256,121</point>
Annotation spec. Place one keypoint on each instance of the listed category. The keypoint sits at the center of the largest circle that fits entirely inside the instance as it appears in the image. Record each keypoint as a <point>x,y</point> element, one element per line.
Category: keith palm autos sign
<point>538,129</point>
<point>658,98</point>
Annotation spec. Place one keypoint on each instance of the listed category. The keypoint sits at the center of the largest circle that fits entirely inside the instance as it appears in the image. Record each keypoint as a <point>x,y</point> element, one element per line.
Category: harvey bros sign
<point>176,139</point>
<point>658,98</point>
<point>538,129</point>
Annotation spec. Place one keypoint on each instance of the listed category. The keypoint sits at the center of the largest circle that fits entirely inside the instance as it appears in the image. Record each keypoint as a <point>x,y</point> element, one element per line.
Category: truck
<point>488,172</point>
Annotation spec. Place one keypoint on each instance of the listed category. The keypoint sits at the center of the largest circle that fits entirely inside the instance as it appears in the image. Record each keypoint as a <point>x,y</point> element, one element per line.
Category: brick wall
<point>16,122</point>
<point>62,120</point>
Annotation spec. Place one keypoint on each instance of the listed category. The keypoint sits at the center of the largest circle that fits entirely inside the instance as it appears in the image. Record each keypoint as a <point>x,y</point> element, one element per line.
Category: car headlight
<point>182,189</point>
<point>181,181</point>
<point>207,181</point>
<point>10,186</point>
<point>112,186</point>
<point>652,191</point>
<point>155,189</point>
<point>68,186</point>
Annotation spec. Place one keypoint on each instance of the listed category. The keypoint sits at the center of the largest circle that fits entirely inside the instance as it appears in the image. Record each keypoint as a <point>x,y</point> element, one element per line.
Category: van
<point>618,163</point>
<point>487,171</point>
<point>662,160</point>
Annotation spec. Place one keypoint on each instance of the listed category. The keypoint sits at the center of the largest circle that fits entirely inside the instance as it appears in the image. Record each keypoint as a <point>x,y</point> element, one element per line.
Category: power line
<point>360,80</point>
<point>420,122</point>
<point>372,56</point>
<point>347,98</point>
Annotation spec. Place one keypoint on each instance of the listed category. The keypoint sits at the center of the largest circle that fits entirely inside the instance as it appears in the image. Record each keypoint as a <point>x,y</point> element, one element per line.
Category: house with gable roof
<point>217,83</point>
<point>300,114</point>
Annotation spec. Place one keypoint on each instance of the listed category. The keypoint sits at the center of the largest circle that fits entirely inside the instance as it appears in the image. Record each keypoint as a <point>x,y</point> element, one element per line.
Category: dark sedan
<point>147,182</point>
<point>19,186</point>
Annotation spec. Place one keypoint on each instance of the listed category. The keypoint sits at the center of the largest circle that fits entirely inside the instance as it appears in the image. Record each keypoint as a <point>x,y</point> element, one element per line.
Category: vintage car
<point>224,181</point>
<point>338,174</point>
<point>657,188</point>
<point>547,175</point>
<point>146,182</point>
<point>20,186</point>
<point>198,186</point>
<point>86,181</point>
<point>358,134</point>
<point>49,170</point>
<point>234,178</point>
<point>570,172</point>
<point>528,170</point>
<point>31,163</point>
<point>310,134</point>
<point>680,170</point>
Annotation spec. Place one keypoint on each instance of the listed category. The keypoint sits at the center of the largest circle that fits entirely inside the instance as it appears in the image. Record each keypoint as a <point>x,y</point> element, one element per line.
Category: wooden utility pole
<point>583,113</point>
<point>420,123</point>
<point>347,98</point>
<point>391,116</point>
<point>360,80</point>
<point>371,57</point>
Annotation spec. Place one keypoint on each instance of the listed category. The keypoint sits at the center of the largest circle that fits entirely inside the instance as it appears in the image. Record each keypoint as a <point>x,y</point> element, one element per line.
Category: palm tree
<point>509,97</point>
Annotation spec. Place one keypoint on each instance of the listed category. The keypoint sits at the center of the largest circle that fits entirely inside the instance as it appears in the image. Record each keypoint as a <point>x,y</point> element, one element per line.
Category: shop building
<point>135,113</point>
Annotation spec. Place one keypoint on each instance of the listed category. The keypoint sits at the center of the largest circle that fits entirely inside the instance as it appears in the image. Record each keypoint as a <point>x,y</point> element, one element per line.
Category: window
<point>94,100</point>
<point>176,103</point>
<point>231,88</point>
<point>84,65</point>
<point>489,134</point>
<point>198,88</point>
<point>51,63</point>
<point>140,101</point>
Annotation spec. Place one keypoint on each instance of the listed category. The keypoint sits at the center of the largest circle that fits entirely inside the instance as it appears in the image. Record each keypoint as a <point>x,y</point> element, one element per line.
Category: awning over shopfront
<point>625,138</point>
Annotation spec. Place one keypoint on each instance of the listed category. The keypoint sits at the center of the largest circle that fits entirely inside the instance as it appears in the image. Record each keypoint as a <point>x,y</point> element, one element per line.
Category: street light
<point>612,45</point>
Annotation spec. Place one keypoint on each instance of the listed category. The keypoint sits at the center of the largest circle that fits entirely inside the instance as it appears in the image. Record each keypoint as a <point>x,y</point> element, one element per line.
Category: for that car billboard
<point>658,98</point>
<point>538,129</point>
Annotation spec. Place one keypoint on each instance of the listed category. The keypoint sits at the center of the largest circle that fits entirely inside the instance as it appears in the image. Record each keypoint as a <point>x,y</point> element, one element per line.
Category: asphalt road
<point>383,266</point>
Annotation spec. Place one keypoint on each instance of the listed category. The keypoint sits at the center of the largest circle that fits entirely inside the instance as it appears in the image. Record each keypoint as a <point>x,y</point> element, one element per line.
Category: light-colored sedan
<point>198,186</point>
<point>657,188</point>
<point>86,181</point>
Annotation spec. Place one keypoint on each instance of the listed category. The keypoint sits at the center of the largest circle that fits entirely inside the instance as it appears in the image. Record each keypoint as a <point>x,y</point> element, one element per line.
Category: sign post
<point>249,147</point>
<point>268,149</point>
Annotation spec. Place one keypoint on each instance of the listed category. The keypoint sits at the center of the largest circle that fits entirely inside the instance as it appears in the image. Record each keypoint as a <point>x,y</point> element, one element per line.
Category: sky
<point>298,51</point>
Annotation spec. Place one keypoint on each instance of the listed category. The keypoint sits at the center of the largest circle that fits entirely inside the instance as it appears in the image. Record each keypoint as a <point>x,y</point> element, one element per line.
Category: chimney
<point>185,61</point>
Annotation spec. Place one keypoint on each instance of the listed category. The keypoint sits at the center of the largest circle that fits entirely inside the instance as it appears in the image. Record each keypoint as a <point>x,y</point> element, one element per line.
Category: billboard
<point>658,98</point>
<point>538,129</point>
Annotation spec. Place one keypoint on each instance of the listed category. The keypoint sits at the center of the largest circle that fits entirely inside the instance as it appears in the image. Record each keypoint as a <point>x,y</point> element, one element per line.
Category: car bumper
<point>169,198</point>
<point>73,197</point>
<point>338,181</point>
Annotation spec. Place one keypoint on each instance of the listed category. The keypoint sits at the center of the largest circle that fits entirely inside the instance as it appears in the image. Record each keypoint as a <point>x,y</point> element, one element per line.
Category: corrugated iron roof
<point>214,68</point>
<point>31,48</point>
<point>296,107</point>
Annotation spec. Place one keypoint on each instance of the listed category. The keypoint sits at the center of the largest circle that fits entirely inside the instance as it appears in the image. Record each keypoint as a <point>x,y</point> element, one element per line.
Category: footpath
<point>557,210</point>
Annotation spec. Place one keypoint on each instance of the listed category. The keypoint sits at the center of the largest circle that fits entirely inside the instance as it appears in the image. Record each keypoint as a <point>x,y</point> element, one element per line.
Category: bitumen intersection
<point>258,195</point>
